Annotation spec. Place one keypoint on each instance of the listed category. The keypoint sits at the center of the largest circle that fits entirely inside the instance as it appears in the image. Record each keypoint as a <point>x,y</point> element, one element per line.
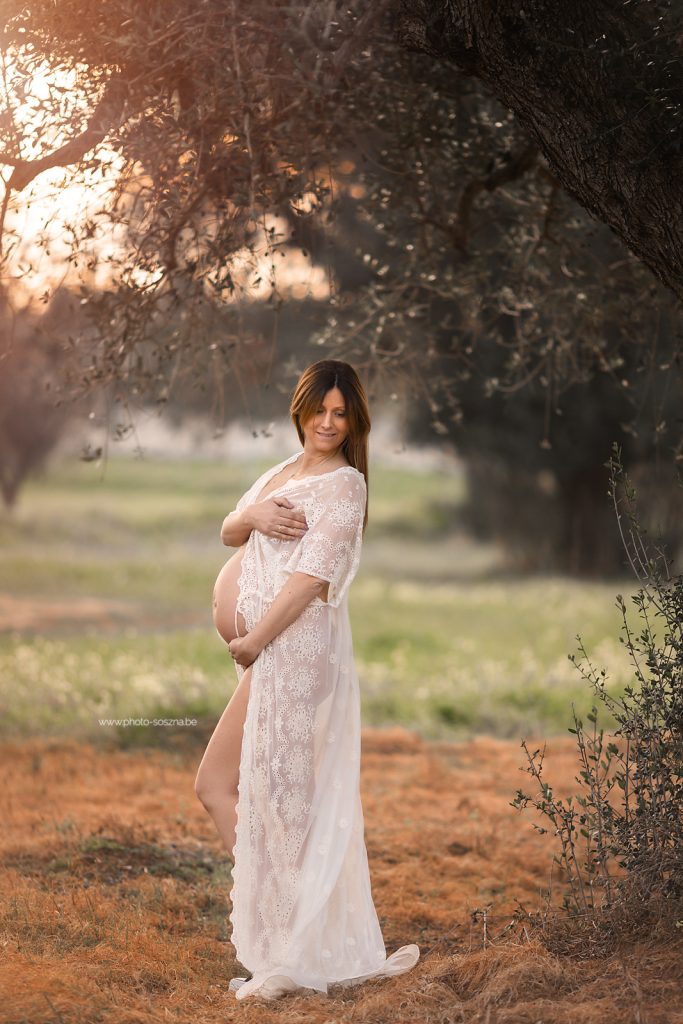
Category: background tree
<point>230,121</point>
<point>32,422</point>
<point>596,86</point>
<point>401,147</point>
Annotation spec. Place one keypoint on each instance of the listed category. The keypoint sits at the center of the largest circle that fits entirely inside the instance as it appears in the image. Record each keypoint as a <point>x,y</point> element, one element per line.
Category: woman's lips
<point>325,435</point>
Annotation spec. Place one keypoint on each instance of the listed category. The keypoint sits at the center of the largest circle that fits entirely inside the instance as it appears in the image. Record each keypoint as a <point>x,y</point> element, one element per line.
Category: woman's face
<point>326,429</point>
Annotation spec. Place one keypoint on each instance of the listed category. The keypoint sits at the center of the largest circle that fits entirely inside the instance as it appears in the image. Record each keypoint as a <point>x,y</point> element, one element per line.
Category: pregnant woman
<point>281,773</point>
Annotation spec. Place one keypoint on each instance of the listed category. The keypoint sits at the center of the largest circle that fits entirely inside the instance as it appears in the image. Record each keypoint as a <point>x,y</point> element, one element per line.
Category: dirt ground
<point>114,895</point>
<point>42,615</point>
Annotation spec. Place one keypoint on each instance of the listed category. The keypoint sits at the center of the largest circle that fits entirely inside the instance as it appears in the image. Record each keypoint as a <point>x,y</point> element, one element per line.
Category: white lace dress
<point>302,910</point>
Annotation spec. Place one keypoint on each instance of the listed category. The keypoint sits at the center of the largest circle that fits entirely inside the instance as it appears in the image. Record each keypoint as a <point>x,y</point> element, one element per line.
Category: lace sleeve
<point>330,549</point>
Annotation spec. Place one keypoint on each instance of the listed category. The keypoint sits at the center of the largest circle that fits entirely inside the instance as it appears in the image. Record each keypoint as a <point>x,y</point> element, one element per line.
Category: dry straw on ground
<point>115,896</point>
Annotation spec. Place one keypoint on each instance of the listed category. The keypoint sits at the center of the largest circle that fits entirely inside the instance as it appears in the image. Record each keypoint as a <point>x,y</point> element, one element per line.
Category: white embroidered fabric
<point>302,911</point>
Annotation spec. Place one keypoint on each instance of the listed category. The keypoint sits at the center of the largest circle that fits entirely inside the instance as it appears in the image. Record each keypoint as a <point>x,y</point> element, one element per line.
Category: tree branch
<point>106,114</point>
<point>593,86</point>
<point>357,39</point>
<point>518,164</point>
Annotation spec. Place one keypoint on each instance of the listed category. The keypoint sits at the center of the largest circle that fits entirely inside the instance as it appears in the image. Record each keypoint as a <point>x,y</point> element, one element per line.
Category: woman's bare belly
<point>225,593</point>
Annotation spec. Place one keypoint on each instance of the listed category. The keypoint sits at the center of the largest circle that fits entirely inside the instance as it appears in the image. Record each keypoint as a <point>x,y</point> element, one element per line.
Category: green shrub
<point>621,836</point>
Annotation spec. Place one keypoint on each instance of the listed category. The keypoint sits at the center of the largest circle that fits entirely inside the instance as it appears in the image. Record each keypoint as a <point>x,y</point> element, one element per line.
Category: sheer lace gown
<point>302,910</point>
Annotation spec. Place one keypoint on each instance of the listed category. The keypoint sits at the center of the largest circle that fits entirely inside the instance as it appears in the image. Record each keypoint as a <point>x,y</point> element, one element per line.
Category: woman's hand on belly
<point>244,650</point>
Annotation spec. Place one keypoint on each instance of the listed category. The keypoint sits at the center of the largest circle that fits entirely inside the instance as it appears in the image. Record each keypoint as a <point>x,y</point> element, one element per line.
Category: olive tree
<point>494,193</point>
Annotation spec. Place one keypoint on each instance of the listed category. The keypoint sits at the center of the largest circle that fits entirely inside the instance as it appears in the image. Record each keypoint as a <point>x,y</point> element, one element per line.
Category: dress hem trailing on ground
<point>273,983</point>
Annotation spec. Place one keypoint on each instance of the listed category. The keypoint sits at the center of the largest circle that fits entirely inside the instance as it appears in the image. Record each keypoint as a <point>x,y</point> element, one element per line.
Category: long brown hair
<point>314,383</point>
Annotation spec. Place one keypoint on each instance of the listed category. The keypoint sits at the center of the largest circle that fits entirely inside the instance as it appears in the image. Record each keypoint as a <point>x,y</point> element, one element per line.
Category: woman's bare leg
<point>219,771</point>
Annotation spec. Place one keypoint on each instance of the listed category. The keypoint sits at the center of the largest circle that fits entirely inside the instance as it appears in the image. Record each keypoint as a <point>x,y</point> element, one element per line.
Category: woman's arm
<point>295,595</point>
<point>236,527</point>
<point>324,564</point>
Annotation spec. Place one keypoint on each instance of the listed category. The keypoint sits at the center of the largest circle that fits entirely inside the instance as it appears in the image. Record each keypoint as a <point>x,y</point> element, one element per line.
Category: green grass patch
<point>445,642</point>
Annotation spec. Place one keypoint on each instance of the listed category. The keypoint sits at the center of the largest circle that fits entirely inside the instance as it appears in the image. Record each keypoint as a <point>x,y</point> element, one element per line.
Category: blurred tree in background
<point>32,422</point>
<point>461,180</point>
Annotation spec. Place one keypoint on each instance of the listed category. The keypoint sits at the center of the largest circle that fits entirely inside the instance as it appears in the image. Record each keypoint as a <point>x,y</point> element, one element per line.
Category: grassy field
<point>105,594</point>
<point>114,884</point>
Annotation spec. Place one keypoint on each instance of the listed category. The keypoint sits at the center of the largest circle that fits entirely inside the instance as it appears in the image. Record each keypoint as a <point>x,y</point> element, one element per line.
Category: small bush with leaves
<point>621,836</point>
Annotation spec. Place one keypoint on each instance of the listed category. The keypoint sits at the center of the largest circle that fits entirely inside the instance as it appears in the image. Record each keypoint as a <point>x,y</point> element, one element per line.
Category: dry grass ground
<point>115,895</point>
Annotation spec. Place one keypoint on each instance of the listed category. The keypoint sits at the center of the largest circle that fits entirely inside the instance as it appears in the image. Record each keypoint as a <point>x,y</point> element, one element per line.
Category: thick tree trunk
<point>569,529</point>
<point>597,86</point>
<point>590,544</point>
